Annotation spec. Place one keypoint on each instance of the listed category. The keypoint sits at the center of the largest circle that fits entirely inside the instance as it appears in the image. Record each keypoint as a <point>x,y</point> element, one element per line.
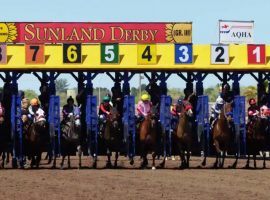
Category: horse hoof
<point>109,165</point>
<point>94,166</point>
<point>62,167</point>
<point>131,162</point>
<point>53,167</point>
<point>153,168</point>
<point>162,165</point>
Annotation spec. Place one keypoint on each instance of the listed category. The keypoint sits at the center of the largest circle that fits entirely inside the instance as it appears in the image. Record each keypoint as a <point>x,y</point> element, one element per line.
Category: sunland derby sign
<point>236,32</point>
<point>61,32</point>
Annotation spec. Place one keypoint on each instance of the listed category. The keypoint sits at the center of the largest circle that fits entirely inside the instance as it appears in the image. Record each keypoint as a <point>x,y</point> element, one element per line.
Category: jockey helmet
<point>70,99</point>
<point>145,97</point>
<point>34,102</point>
<point>252,101</point>
<point>106,98</point>
<point>226,87</point>
<point>220,101</point>
<point>180,101</point>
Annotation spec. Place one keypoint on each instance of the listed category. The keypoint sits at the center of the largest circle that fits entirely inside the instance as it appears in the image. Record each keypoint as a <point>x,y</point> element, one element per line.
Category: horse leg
<point>218,151</point>
<point>247,164</point>
<point>264,158</point>
<point>254,158</point>
<point>183,160</point>
<point>235,162</point>
<point>116,159</point>
<point>69,166</point>
<point>153,161</point>
<point>7,160</point>
<point>62,162</point>
<point>38,160</point>
<point>94,162</point>
<point>223,159</point>
<point>188,158</point>
<point>79,148</point>
<point>3,160</point>
<point>108,164</point>
<point>162,164</point>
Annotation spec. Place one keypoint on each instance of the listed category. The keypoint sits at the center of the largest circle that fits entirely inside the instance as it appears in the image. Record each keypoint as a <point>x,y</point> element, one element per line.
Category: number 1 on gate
<point>146,54</point>
<point>256,54</point>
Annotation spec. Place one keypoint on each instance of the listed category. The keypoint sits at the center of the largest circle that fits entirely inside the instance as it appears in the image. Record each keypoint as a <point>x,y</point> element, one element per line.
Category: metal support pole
<point>126,86</point>
<point>260,87</point>
<point>235,85</point>
<point>163,84</point>
<point>189,83</point>
<point>199,84</point>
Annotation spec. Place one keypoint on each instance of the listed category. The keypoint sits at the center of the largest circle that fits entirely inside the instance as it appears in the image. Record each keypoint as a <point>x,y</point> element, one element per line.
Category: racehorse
<point>70,139</point>
<point>148,137</point>
<point>223,136</point>
<point>4,141</point>
<point>36,139</point>
<point>256,139</point>
<point>112,136</point>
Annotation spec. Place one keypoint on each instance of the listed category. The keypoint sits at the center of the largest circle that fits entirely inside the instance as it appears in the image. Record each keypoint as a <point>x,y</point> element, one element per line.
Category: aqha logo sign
<point>235,32</point>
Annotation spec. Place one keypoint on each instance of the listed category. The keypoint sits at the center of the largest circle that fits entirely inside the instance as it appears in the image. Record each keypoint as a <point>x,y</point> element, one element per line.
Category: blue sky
<point>204,15</point>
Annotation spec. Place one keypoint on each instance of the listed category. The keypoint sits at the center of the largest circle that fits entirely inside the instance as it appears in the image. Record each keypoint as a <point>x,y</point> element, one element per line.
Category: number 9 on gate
<point>183,54</point>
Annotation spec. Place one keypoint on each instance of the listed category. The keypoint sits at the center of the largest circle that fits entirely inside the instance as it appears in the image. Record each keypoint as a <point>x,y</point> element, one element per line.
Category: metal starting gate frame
<point>129,124</point>
<point>16,131</point>
<point>92,125</point>
<point>54,124</point>
<point>165,122</point>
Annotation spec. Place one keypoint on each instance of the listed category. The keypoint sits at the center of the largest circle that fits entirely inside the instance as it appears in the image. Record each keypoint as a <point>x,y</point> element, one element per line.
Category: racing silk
<point>2,110</point>
<point>216,109</point>
<point>264,111</point>
<point>104,108</point>
<point>253,111</point>
<point>144,109</point>
<point>67,110</point>
<point>38,116</point>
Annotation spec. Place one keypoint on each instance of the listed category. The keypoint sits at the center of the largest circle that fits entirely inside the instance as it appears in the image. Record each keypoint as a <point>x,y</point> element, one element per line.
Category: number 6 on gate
<point>72,53</point>
<point>220,54</point>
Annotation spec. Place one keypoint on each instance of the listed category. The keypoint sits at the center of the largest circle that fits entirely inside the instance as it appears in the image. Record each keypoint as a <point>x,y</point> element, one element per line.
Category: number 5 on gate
<point>109,53</point>
<point>146,54</point>
<point>34,54</point>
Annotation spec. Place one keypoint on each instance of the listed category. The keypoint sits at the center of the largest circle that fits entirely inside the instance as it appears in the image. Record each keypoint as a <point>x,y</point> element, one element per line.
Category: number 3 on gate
<point>256,54</point>
<point>72,53</point>
<point>146,54</point>
<point>183,54</point>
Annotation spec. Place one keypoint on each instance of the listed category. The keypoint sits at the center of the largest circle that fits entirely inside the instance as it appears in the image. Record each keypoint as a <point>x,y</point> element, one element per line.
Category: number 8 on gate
<point>183,53</point>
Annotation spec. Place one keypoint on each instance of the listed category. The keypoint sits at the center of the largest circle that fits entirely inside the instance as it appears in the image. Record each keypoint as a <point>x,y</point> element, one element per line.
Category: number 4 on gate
<point>146,54</point>
<point>256,54</point>
<point>183,53</point>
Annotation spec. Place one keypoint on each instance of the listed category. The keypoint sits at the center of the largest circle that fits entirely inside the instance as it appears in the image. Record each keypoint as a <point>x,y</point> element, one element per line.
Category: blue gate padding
<point>129,124</point>
<point>165,122</point>
<point>92,125</point>
<point>202,120</point>
<point>16,128</point>
<point>239,118</point>
<point>54,124</point>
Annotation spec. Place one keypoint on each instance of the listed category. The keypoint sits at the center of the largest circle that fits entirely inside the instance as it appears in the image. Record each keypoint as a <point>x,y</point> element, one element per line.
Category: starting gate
<point>16,130</point>
<point>92,125</point>
<point>54,124</point>
<point>129,125</point>
<point>202,120</point>
<point>239,119</point>
<point>165,122</point>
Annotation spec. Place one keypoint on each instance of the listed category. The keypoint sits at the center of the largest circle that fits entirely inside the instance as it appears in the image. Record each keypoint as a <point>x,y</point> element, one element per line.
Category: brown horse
<point>223,136</point>
<point>36,139</point>
<point>148,137</point>
<point>256,139</point>
<point>112,136</point>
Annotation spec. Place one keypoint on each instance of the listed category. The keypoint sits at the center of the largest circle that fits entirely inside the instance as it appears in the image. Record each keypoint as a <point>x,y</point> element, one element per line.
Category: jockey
<point>104,111</point>
<point>2,113</point>
<point>227,94</point>
<point>70,109</point>
<point>253,109</point>
<point>216,109</point>
<point>175,112</point>
<point>25,110</point>
<point>36,113</point>
<point>144,107</point>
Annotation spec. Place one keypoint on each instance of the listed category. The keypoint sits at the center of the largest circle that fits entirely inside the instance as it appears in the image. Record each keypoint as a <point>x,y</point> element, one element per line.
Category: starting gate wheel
<point>239,120</point>
<point>54,124</point>
<point>92,125</point>
<point>16,131</point>
<point>129,125</point>
<point>165,122</point>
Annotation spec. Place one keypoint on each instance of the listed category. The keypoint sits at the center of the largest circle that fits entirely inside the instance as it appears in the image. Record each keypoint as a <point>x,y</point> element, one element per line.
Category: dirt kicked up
<point>129,182</point>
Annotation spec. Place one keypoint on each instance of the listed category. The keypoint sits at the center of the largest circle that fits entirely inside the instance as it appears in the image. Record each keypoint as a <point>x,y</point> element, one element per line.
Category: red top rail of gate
<point>87,32</point>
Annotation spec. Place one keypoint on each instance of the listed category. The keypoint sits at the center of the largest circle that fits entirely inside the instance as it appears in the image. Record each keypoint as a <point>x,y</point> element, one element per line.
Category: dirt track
<point>131,183</point>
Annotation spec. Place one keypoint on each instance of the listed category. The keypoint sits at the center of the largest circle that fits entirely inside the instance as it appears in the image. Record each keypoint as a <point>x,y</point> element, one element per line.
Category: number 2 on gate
<point>220,54</point>
<point>183,53</point>
<point>146,54</point>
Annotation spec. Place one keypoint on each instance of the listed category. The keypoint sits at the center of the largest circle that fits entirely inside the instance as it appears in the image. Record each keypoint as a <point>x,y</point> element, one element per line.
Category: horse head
<point>186,109</point>
<point>114,117</point>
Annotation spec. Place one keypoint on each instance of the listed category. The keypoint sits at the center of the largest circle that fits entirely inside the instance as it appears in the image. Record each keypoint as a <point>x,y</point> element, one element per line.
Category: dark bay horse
<point>70,139</point>
<point>113,136</point>
<point>148,137</point>
<point>223,136</point>
<point>4,143</point>
<point>36,140</point>
<point>257,139</point>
